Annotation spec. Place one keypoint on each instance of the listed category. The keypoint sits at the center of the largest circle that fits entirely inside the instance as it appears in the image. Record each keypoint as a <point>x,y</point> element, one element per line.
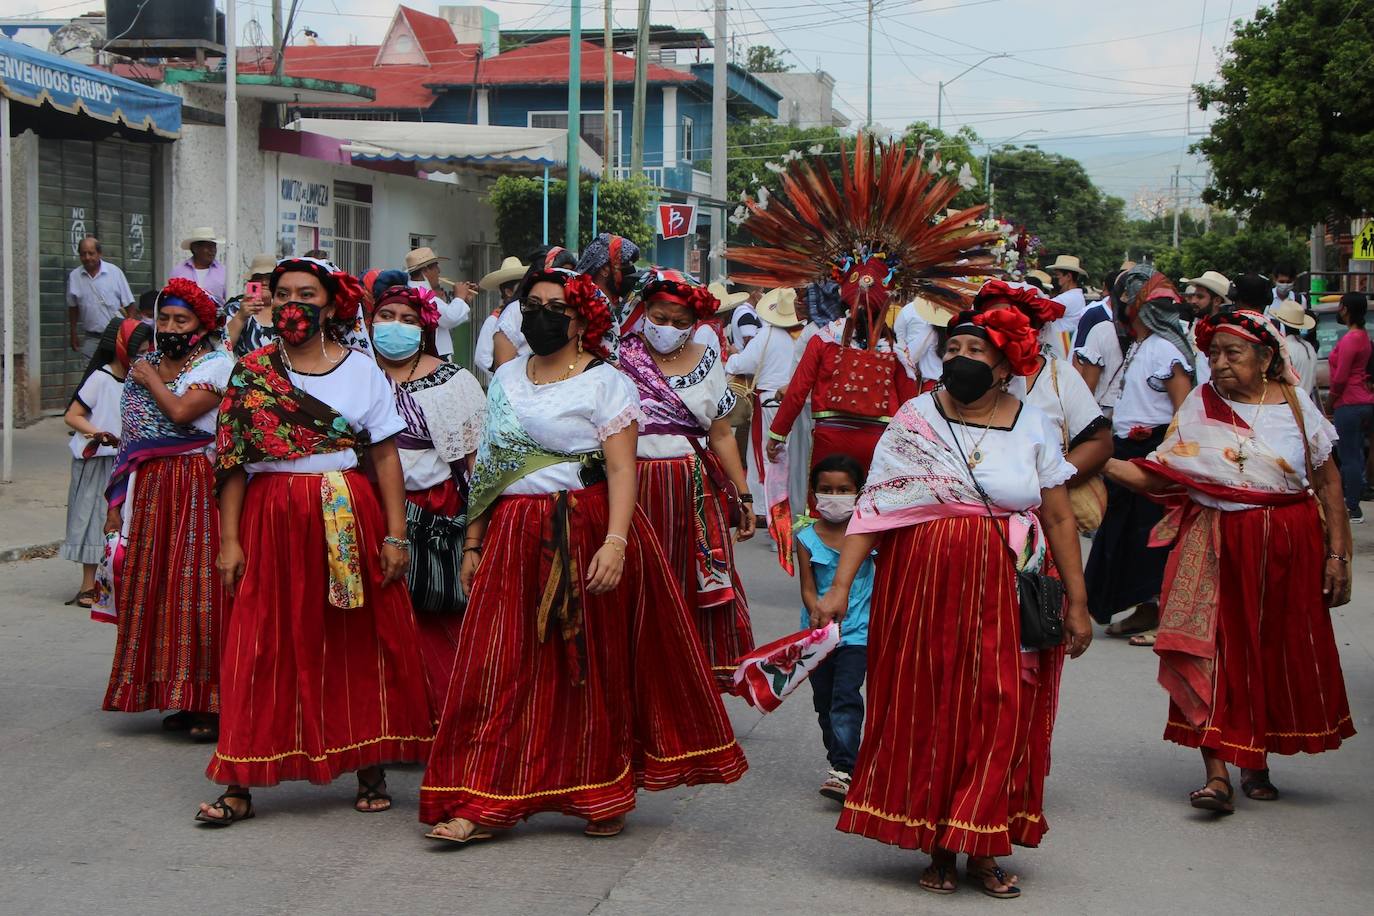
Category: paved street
<point>97,809</point>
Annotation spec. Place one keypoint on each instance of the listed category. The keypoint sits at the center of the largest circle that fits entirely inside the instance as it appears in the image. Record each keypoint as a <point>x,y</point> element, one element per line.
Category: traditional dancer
<point>1246,649</point>
<point>322,670</point>
<point>579,676</point>
<point>691,480</point>
<point>161,496</point>
<point>443,407</point>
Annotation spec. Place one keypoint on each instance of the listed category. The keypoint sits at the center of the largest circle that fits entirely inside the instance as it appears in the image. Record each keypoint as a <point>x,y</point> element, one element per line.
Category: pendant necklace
<point>1241,441</point>
<point>975,454</point>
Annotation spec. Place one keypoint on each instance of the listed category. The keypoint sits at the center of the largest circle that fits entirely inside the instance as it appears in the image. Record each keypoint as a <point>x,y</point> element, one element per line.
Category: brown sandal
<point>1216,801</point>
<point>604,830</point>
<point>1256,785</point>
<point>476,833</point>
<point>227,814</point>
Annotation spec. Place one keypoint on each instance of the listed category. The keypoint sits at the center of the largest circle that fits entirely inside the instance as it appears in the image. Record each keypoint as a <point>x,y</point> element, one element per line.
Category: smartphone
<point>252,290</point>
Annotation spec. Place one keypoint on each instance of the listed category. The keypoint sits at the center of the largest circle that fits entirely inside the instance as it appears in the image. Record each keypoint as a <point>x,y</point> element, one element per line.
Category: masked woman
<point>691,479</point>
<point>443,407</point>
<point>1246,650</point>
<point>322,669</point>
<point>579,677</point>
<point>170,605</point>
<point>967,487</point>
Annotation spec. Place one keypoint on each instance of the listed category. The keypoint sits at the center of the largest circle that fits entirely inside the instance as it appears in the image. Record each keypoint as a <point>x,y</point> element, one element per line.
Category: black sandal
<point>1217,802</point>
<point>373,791</point>
<point>997,875</point>
<point>228,814</point>
<point>204,728</point>
<point>79,600</point>
<point>179,721</point>
<point>1257,786</point>
<point>944,874</point>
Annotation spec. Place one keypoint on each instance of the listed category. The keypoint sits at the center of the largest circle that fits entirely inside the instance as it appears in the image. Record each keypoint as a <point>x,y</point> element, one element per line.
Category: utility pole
<point>719,77</point>
<point>868,124</point>
<point>276,37</point>
<point>574,126</point>
<point>231,138</point>
<point>641,90</point>
<point>940,91</point>
<point>609,141</point>
<point>1177,189</point>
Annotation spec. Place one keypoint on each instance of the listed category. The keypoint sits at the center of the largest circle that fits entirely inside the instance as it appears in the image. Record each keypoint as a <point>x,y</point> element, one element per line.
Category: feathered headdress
<point>884,232</point>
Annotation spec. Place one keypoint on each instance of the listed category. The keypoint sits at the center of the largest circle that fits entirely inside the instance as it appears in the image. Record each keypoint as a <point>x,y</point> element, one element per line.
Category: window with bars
<point>686,149</point>
<point>353,226</point>
<point>593,130</point>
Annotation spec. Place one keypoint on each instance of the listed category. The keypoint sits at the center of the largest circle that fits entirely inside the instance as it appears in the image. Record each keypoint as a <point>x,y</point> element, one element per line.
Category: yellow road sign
<point>1364,243</point>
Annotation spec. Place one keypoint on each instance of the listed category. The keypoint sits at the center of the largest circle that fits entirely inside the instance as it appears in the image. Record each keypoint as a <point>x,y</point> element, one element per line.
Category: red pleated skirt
<point>310,690</point>
<point>839,436</point>
<point>1278,683</point>
<point>439,632</point>
<point>533,726</point>
<point>947,715</point>
<point>667,494</point>
<point>171,605</point>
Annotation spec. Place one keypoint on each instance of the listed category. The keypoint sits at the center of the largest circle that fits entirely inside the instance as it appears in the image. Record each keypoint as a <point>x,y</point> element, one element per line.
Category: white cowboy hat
<point>510,270</point>
<point>200,234</point>
<point>932,313</point>
<point>1214,282</point>
<point>727,300</point>
<point>421,257</point>
<point>1291,313</point>
<point>779,307</point>
<point>261,264</point>
<point>1067,262</point>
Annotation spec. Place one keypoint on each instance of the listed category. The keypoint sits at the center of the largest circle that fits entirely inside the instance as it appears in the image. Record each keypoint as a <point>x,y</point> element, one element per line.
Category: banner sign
<point>677,221</point>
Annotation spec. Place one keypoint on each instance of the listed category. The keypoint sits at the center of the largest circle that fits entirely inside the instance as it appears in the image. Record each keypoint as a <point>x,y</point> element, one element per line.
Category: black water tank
<point>160,20</point>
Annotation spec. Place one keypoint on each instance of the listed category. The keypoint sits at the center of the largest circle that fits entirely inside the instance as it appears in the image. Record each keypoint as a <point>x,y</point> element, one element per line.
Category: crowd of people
<point>331,548</point>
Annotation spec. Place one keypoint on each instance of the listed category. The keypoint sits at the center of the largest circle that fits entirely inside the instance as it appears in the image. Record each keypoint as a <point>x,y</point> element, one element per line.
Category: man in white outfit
<point>505,281</point>
<point>918,337</point>
<point>1058,336</point>
<point>422,264</point>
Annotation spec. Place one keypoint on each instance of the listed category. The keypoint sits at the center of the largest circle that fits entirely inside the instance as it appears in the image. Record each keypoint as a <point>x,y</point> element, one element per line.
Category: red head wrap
<point>1249,326</point>
<point>677,287</point>
<point>423,301</point>
<point>184,292</point>
<point>123,339</point>
<point>345,291</point>
<point>1009,330</point>
<point>1037,307</point>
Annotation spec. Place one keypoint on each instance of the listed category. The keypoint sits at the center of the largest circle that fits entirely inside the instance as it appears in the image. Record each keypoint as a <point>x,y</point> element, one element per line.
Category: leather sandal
<point>372,791</point>
<point>940,875</point>
<point>1216,801</point>
<point>227,815</point>
<point>1256,785</point>
<point>603,830</point>
<point>473,834</point>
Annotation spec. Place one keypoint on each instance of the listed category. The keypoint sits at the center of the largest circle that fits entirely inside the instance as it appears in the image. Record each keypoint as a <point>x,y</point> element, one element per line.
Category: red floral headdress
<point>677,287</point>
<point>581,292</point>
<point>1249,326</point>
<point>1010,331</point>
<point>345,290</point>
<point>422,300</point>
<point>181,291</point>
<point>1037,307</point>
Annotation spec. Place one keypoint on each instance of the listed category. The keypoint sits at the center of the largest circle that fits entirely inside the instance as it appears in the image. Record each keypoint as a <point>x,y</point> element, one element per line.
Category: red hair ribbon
<point>1010,331</point>
<point>582,293</point>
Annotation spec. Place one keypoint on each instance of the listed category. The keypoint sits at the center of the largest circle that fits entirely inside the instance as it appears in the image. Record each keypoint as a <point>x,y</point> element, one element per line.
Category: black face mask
<point>966,379</point>
<point>175,346</point>
<point>545,331</point>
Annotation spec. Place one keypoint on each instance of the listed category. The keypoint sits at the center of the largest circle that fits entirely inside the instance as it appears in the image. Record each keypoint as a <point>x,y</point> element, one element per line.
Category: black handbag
<point>1041,596</point>
<point>436,552</point>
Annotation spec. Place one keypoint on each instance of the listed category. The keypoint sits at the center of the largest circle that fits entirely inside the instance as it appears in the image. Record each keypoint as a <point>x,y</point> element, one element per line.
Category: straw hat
<point>727,300</point>
<point>261,264</point>
<point>1040,275</point>
<point>200,234</point>
<point>1214,282</point>
<point>1291,313</point>
<point>932,313</point>
<point>779,307</point>
<point>510,271</point>
<point>1067,262</point>
<point>421,257</point>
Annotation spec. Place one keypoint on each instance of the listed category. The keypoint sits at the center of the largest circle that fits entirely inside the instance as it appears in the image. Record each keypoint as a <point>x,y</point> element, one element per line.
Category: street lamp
<point>940,94</point>
<point>987,162</point>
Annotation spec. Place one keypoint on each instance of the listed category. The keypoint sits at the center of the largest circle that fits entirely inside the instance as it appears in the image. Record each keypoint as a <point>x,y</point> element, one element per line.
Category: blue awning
<point>37,78</point>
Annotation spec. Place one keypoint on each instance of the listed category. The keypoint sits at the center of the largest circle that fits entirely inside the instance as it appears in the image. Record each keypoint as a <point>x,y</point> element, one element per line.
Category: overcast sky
<point>1105,81</point>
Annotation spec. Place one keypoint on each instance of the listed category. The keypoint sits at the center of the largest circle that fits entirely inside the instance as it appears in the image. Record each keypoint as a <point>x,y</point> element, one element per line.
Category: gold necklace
<point>572,367</point>
<point>1241,441</point>
<point>975,455</point>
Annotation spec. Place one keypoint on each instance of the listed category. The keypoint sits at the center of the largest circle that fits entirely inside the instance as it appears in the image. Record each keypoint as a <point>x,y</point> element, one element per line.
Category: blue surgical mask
<point>396,340</point>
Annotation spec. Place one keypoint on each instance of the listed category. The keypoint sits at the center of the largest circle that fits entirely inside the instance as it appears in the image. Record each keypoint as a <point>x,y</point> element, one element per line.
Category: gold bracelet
<point>624,542</point>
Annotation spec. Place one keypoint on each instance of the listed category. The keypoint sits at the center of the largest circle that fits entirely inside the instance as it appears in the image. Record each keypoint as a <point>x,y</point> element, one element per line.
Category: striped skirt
<point>1277,680</point>
<point>573,723</point>
<point>685,510</point>
<point>949,714</point>
<point>310,690</point>
<point>171,605</point>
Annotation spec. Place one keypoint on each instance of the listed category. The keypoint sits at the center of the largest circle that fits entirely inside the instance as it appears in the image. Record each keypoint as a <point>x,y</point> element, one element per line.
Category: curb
<point>32,552</point>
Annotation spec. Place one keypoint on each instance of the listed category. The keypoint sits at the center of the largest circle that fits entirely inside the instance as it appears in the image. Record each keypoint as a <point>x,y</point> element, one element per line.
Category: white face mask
<point>1283,289</point>
<point>665,338</point>
<point>836,507</point>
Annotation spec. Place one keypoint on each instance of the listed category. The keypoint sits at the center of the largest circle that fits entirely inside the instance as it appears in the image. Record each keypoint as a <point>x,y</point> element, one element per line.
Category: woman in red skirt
<point>967,487</point>
<point>579,675</point>
<point>321,668</point>
<point>169,602</point>
<point>443,407</point>
<point>690,473</point>
<point>1245,645</point>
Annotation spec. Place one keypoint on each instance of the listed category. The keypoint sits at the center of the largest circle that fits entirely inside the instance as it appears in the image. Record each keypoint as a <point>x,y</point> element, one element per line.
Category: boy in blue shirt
<point>835,684</point>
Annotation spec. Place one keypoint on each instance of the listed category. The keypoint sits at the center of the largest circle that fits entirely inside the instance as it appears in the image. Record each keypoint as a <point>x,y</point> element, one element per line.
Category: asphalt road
<point>97,810</point>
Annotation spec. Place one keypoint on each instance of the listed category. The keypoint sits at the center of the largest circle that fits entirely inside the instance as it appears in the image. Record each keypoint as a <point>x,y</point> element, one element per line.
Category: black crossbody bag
<point>1041,597</point>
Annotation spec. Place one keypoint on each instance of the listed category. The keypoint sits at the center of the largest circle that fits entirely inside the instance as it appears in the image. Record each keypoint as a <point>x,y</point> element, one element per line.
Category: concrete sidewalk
<point>33,506</point>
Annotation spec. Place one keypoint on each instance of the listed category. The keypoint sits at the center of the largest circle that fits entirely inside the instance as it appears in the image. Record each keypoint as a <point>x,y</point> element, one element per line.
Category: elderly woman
<point>1262,551</point>
<point>443,407</point>
<point>691,478</point>
<point>579,677</point>
<point>161,498</point>
<point>322,671</point>
<point>1123,570</point>
<point>966,488</point>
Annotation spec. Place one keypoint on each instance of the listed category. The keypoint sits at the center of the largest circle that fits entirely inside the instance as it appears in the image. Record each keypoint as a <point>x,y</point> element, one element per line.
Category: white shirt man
<point>96,292</point>
<point>452,313</point>
<point>770,357</point>
<point>1058,336</point>
<point>744,325</point>
<point>1098,350</point>
<point>919,340</point>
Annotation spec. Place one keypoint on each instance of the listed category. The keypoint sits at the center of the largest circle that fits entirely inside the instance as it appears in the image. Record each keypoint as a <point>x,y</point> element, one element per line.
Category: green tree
<point>1053,197</point>
<point>763,59</point>
<point>1296,109</point>
<point>1233,252</point>
<point>751,147</point>
<point>622,209</point>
